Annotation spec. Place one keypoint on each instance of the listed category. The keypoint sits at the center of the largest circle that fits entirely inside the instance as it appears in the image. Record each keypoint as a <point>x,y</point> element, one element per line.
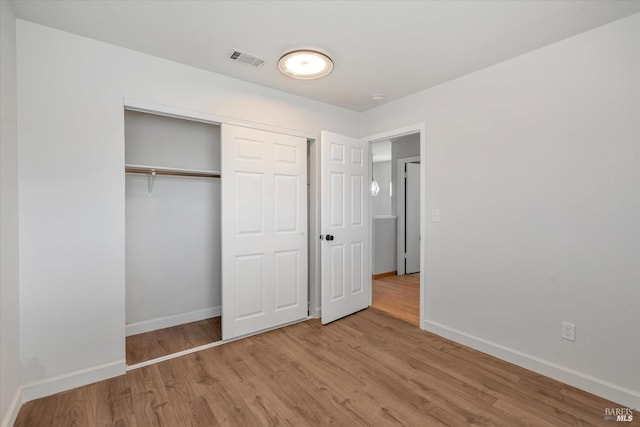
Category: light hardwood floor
<point>147,346</point>
<point>368,369</point>
<point>398,296</point>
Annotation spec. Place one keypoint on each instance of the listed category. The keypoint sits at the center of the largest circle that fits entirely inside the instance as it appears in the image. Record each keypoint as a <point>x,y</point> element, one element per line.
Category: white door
<point>344,201</point>
<point>264,230</point>
<point>412,218</point>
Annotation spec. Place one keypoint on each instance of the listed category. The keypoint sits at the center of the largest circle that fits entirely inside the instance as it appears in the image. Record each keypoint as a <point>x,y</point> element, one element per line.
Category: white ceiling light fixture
<point>305,64</point>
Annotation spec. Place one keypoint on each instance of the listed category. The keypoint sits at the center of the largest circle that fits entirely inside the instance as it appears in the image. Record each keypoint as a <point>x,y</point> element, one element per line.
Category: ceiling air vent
<point>245,58</point>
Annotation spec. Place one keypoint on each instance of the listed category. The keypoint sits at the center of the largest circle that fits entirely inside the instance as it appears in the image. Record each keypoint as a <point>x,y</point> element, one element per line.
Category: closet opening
<point>173,235</point>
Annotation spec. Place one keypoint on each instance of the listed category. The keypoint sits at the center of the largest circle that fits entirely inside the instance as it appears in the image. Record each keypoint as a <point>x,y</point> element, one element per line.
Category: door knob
<point>329,237</point>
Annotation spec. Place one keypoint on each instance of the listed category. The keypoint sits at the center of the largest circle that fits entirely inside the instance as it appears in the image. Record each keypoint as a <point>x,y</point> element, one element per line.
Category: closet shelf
<point>162,170</point>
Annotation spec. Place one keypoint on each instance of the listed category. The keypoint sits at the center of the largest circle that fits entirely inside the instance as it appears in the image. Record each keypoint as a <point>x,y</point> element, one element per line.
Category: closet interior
<point>173,236</point>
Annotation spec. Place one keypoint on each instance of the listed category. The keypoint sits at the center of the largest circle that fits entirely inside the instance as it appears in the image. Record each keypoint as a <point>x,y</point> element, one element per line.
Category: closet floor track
<point>154,344</point>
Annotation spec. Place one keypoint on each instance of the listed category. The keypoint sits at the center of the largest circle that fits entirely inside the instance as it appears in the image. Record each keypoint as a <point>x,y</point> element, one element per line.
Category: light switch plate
<point>435,215</point>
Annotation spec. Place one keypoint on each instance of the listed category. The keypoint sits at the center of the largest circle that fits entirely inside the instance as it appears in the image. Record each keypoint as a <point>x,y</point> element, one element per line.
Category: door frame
<point>419,128</point>
<point>401,196</point>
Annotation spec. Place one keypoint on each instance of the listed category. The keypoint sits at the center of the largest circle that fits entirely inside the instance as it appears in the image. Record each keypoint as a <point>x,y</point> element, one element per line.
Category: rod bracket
<point>152,177</point>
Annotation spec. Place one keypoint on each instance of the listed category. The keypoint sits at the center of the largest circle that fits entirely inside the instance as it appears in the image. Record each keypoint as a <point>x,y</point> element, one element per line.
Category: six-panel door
<point>345,256</point>
<point>264,230</point>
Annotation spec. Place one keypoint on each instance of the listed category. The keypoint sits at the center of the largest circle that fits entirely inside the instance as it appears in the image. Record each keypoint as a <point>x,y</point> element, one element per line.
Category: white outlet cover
<point>568,331</point>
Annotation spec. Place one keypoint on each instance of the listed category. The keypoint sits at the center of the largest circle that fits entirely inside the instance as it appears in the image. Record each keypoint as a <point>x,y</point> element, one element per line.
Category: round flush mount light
<point>305,64</point>
<point>377,97</point>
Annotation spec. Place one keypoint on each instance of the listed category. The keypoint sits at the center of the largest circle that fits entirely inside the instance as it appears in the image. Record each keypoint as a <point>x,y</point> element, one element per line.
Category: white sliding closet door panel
<point>345,254</point>
<point>264,230</point>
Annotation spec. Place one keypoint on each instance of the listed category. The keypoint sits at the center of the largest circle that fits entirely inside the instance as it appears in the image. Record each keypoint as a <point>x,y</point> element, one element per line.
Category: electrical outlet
<point>568,331</point>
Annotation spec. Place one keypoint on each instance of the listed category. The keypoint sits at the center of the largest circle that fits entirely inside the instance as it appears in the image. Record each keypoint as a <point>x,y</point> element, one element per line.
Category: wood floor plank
<point>150,345</point>
<point>269,408</point>
<point>114,402</point>
<point>368,369</point>
<point>72,409</point>
<point>38,413</point>
<point>398,296</point>
<point>198,411</point>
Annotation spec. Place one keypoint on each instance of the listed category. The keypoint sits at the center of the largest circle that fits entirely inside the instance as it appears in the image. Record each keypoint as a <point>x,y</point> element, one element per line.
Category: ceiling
<point>390,47</point>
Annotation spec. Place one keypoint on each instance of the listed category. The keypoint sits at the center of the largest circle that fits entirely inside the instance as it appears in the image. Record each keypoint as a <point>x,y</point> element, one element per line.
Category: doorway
<point>397,170</point>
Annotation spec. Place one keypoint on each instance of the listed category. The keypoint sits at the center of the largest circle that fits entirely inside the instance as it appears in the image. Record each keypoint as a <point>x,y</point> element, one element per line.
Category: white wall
<point>382,175</point>
<point>384,225</point>
<point>72,195</point>
<point>9,317</point>
<point>384,244</point>
<point>535,166</point>
<point>172,251</point>
<point>156,140</point>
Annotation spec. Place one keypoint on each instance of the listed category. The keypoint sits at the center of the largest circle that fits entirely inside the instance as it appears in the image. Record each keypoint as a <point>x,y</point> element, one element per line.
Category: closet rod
<point>170,171</point>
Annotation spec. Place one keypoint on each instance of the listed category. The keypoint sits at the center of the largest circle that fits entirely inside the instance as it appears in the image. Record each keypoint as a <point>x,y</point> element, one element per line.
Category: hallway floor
<point>398,296</point>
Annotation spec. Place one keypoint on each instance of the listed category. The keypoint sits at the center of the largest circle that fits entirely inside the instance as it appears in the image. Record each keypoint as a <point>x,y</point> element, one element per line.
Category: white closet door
<point>345,254</point>
<point>264,230</point>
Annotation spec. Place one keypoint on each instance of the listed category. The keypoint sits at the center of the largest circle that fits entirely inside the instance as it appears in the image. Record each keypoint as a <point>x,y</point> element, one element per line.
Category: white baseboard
<point>14,408</point>
<point>588,383</point>
<point>173,320</point>
<point>71,380</point>
<point>315,313</point>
